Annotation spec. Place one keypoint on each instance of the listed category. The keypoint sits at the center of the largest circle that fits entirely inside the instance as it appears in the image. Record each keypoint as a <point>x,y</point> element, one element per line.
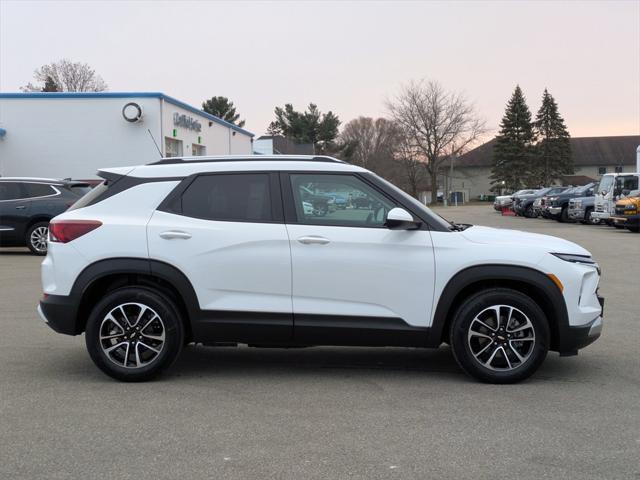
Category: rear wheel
<point>37,237</point>
<point>499,336</point>
<point>134,333</point>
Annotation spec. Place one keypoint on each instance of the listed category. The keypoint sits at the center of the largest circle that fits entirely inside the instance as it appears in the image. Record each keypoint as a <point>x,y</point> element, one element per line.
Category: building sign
<point>187,122</point>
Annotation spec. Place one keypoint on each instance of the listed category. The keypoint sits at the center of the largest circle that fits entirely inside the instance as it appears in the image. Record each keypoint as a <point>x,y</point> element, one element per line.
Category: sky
<point>348,57</point>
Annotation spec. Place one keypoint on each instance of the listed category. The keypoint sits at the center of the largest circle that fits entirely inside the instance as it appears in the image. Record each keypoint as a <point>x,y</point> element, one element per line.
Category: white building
<point>74,134</point>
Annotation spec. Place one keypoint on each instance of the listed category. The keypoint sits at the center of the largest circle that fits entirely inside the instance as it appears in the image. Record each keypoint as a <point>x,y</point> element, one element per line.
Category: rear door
<point>226,233</point>
<point>354,280</point>
<point>14,213</point>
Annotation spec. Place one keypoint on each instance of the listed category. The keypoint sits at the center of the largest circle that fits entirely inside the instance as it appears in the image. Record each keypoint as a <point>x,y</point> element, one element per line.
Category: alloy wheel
<point>132,335</point>
<point>501,338</point>
<point>38,239</point>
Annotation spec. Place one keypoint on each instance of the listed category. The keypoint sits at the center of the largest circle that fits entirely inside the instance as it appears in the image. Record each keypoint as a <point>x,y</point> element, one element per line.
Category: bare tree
<point>412,161</point>
<point>371,140</point>
<point>438,123</point>
<point>66,76</point>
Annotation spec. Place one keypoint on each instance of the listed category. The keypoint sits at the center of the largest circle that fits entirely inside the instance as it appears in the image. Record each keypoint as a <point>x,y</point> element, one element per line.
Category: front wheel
<point>134,333</point>
<point>499,336</point>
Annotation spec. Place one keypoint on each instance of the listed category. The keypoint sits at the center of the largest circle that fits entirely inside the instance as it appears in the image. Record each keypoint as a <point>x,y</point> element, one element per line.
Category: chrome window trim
<point>55,194</point>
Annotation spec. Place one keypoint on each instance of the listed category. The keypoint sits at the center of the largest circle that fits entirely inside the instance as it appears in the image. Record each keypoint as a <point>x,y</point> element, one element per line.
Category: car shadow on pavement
<point>16,252</point>
<point>198,361</point>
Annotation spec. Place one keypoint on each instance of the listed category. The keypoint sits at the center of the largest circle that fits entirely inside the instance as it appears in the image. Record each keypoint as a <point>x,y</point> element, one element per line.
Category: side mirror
<point>400,219</point>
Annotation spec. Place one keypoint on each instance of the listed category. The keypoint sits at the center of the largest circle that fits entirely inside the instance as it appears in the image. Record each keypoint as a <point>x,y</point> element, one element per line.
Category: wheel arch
<point>106,275</point>
<point>526,280</point>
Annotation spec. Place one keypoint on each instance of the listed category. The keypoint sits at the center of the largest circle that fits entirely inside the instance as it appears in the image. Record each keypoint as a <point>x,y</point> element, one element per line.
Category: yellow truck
<point>627,212</point>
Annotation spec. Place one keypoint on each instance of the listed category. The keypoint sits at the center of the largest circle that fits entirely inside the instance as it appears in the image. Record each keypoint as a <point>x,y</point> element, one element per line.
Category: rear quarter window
<point>92,195</point>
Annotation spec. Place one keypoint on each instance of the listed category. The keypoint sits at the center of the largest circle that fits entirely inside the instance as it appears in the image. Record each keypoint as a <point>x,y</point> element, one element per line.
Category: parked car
<point>558,205</point>
<point>222,250</point>
<point>627,212</point>
<point>545,200</point>
<point>523,205</point>
<point>580,210</point>
<point>28,204</point>
<point>503,201</point>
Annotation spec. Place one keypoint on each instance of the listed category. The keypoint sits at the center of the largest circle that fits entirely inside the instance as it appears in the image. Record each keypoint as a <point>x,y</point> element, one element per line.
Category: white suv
<point>254,250</point>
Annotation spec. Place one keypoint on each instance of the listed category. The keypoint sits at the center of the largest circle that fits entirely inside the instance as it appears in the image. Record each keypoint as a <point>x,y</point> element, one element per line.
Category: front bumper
<point>576,213</point>
<point>554,210</point>
<point>575,338</point>
<point>630,220</point>
<point>600,215</point>
<point>60,312</point>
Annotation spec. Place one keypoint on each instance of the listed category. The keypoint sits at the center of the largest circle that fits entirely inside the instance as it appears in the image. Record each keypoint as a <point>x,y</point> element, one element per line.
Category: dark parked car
<point>558,205</point>
<point>28,204</point>
<point>525,205</point>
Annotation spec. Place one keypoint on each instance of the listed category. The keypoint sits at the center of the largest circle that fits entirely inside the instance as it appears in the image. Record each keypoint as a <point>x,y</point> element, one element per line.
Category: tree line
<point>425,128</point>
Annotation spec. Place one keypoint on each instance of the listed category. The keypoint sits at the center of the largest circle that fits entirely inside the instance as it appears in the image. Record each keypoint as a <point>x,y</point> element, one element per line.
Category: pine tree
<point>222,108</point>
<point>513,151</point>
<point>50,85</point>
<point>553,150</point>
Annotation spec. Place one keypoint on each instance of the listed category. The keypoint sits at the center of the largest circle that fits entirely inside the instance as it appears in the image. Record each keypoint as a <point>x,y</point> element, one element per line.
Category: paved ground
<point>324,413</point>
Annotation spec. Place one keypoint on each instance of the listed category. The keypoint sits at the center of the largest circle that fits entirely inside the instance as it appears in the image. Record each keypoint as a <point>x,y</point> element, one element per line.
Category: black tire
<point>528,212</point>
<point>34,239</point>
<point>525,308</point>
<point>587,217</point>
<point>169,320</point>
<point>564,215</point>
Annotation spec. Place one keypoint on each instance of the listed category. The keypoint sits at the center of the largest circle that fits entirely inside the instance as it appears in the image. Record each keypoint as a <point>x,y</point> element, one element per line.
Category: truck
<point>627,212</point>
<point>612,187</point>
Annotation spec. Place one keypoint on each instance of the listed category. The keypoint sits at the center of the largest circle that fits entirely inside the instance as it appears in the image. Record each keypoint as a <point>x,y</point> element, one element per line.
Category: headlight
<point>630,207</point>
<point>577,204</point>
<point>581,259</point>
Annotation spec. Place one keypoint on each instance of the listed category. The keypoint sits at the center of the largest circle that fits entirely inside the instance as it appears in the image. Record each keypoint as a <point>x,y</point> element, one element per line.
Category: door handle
<point>21,207</point>
<point>170,234</point>
<point>313,240</point>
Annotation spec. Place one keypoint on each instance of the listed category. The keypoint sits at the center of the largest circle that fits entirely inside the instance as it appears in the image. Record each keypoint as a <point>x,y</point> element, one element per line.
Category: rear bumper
<point>60,313</point>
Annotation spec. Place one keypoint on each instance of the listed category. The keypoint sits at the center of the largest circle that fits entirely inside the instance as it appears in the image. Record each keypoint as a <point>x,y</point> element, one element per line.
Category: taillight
<point>64,231</point>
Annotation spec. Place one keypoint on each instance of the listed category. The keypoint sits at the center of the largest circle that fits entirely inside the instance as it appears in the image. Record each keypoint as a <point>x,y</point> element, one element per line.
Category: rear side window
<point>10,191</point>
<point>229,197</point>
<point>90,197</point>
<point>32,190</point>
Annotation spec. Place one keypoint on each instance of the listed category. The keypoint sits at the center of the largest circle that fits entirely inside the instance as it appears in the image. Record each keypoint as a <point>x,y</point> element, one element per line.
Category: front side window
<point>338,200</point>
<point>10,191</point>
<point>229,197</point>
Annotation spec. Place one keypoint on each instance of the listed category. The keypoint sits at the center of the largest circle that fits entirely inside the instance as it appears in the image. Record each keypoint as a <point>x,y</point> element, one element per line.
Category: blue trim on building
<point>158,95</point>
<point>3,132</point>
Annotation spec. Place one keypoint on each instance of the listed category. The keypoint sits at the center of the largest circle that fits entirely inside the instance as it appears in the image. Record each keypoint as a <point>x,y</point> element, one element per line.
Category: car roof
<point>185,166</point>
<point>55,181</point>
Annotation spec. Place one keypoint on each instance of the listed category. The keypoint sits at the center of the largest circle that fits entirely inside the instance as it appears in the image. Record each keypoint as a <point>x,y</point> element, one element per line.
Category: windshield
<point>583,189</point>
<point>416,204</point>
<point>605,184</point>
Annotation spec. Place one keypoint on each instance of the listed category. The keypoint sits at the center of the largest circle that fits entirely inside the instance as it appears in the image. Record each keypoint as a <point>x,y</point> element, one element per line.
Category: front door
<point>226,234</point>
<point>354,280</point>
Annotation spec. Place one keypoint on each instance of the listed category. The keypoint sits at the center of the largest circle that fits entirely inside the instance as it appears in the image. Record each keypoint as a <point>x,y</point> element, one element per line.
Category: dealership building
<point>72,135</point>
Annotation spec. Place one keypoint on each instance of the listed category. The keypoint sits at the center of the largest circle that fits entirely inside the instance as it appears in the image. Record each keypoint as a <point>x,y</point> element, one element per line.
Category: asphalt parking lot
<point>324,413</point>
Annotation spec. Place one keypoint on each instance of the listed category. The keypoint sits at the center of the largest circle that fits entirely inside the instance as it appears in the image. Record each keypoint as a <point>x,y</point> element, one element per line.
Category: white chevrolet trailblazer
<point>302,251</point>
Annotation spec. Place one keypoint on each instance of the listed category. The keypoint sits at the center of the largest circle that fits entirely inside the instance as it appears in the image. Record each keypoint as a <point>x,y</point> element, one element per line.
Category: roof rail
<point>248,158</point>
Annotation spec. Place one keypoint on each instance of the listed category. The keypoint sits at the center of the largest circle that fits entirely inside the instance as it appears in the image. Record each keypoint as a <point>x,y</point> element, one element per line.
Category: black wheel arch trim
<point>539,282</point>
<point>132,266</point>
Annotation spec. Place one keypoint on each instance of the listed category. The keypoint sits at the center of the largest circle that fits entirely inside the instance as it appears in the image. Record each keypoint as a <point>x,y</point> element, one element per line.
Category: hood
<point>628,201</point>
<point>501,236</point>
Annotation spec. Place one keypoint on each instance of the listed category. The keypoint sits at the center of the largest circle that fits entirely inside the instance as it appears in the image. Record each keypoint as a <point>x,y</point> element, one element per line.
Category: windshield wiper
<point>459,227</point>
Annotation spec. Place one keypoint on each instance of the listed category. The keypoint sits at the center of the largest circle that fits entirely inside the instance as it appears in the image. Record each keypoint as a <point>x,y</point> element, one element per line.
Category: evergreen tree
<point>513,151</point>
<point>223,108</point>
<point>553,150</point>
<point>50,85</point>
<point>310,126</point>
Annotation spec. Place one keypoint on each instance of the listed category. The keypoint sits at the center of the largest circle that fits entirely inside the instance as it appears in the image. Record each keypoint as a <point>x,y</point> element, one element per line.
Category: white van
<point>611,188</point>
